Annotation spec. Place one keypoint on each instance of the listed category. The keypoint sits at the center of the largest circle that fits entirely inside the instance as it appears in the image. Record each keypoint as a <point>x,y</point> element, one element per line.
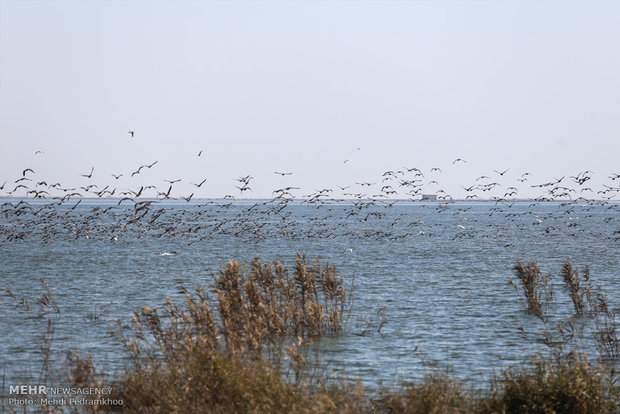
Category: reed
<point>571,279</point>
<point>605,328</point>
<point>567,337</point>
<point>536,287</point>
<point>243,350</point>
<point>73,370</point>
<point>575,386</point>
<point>261,315</point>
<point>266,302</point>
<point>437,393</point>
<point>591,301</point>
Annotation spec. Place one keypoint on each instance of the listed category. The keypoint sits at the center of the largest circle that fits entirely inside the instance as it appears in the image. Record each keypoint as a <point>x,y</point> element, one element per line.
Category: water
<point>439,272</point>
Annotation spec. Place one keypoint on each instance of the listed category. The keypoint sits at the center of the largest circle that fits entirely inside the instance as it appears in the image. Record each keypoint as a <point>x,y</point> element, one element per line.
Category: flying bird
<point>125,198</point>
<point>89,174</point>
<point>244,188</point>
<point>131,133</point>
<point>141,167</point>
<point>246,179</point>
<point>166,194</point>
<point>457,160</point>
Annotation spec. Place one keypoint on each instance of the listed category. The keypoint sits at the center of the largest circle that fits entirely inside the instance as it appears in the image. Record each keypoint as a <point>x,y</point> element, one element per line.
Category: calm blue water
<point>438,271</point>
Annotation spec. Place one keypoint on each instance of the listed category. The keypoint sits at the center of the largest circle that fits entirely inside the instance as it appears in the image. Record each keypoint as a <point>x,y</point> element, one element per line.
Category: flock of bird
<point>33,207</point>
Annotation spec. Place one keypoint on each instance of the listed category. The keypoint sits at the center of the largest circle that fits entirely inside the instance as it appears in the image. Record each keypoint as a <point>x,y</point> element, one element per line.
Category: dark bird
<point>173,181</point>
<point>37,194</point>
<point>89,174</point>
<point>123,199</point>
<point>245,179</point>
<point>501,173</point>
<point>243,188</point>
<point>166,194</point>
<point>201,183</point>
<point>200,153</point>
<point>557,181</point>
<point>282,173</point>
<point>38,152</point>
<point>188,199</point>
<point>18,186</point>
<point>137,193</point>
<point>131,133</point>
<point>26,170</point>
<point>117,176</point>
<point>141,167</point>
<point>283,190</point>
<point>457,160</point>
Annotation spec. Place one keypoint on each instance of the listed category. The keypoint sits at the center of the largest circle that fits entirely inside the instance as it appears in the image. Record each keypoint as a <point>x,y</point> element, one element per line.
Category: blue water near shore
<point>439,272</point>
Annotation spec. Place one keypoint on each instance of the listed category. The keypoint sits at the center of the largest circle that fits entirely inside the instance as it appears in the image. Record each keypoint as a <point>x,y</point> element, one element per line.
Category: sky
<point>334,92</point>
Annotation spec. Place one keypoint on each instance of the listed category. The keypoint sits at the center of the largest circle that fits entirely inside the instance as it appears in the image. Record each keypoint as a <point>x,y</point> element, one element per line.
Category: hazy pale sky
<point>302,86</point>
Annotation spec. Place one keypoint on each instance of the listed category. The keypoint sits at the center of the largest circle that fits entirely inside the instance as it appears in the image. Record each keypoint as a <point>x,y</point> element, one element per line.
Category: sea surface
<point>432,276</point>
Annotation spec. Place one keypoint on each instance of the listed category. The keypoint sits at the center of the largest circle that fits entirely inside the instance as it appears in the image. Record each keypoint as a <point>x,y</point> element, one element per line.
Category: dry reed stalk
<point>534,286</point>
<point>571,279</point>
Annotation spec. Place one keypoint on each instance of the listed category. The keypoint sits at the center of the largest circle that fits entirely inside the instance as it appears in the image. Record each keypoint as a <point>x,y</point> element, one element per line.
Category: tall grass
<point>267,302</point>
<point>235,352</point>
<point>536,287</point>
<point>588,300</point>
<point>571,279</point>
<point>591,301</point>
<point>75,370</point>
<point>573,386</point>
<point>241,349</point>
